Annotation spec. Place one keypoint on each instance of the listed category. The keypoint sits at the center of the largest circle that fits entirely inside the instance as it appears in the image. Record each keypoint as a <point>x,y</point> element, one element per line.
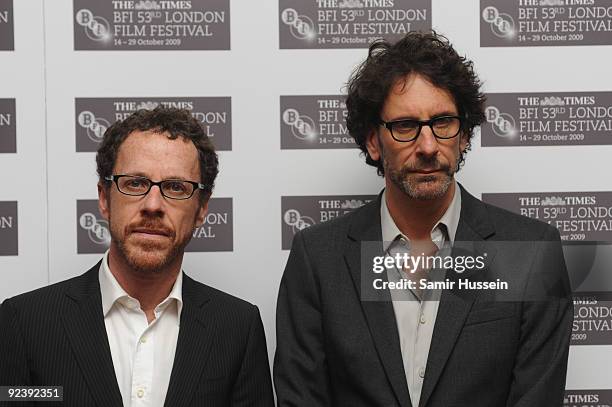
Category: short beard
<point>149,263</point>
<point>405,181</point>
<point>147,259</point>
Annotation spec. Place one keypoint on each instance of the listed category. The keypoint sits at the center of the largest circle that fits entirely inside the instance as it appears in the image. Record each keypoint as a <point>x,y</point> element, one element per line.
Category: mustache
<point>151,226</point>
<point>426,164</point>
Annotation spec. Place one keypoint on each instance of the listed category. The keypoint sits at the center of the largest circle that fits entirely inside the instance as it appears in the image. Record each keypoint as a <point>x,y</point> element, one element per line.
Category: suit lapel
<point>378,311</point>
<point>193,346</point>
<point>455,305</point>
<point>84,325</point>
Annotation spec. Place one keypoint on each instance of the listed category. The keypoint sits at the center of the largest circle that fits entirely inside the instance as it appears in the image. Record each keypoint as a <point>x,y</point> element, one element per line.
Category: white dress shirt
<point>143,353</point>
<point>416,319</point>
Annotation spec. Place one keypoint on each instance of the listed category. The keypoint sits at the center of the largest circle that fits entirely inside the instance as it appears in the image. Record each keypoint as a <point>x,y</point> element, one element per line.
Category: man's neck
<point>414,217</point>
<point>150,289</point>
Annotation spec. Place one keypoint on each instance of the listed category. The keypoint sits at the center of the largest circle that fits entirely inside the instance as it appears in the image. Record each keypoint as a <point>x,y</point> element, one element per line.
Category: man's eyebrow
<point>142,174</point>
<point>135,173</point>
<point>445,113</point>
<point>440,114</point>
<point>175,177</point>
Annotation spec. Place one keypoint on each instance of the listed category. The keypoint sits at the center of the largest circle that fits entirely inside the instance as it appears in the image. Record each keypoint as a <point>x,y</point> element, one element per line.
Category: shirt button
<point>143,339</point>
<point>140,393</point>
<point>423,319</point>
<point>421,373</point>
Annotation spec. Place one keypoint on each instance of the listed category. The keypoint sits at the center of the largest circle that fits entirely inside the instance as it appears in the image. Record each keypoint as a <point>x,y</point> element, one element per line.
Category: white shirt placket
<point>143,363</point>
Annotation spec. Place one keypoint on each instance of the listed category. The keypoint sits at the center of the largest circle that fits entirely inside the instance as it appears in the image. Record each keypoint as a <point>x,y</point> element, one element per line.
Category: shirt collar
<point>112,291</point>
<point>449,220</point>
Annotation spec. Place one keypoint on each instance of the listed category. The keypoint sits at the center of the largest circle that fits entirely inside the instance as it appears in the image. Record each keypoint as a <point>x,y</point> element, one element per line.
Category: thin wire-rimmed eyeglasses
<point>135,185</point>
<point>442,127</point>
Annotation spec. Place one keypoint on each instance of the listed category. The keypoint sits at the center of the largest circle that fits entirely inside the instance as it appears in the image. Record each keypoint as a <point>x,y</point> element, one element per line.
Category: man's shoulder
<point>512,226</point>
<point>508,225</point>
<point>47,298</point>
<point>223,301</point>
<point>337,228</point>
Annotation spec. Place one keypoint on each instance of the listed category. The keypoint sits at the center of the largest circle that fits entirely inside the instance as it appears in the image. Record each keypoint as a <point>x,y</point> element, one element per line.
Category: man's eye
<point>406,125</point>
<point>443,122</point>
<point>175,186</point>
<point>135,183</point>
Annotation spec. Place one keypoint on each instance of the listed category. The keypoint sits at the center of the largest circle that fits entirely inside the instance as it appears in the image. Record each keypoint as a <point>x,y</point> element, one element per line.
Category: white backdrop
<point>46,176</point>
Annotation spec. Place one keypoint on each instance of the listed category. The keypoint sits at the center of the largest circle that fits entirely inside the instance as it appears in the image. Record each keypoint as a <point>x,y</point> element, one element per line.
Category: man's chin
<point>147,257</point>
<point>426,187</point>
<point>148,261</point>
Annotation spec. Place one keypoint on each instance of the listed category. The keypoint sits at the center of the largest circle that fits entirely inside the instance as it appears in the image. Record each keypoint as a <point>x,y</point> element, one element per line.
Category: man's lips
<point>425,172</point>
<point>150,232</point>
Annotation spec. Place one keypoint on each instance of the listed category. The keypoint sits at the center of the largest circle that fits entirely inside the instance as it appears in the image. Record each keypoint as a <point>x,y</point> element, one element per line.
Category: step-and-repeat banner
<point>267,79</point>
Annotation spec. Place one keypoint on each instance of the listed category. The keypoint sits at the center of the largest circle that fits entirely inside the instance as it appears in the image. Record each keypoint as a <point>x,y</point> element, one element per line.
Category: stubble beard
<point>417,186</point>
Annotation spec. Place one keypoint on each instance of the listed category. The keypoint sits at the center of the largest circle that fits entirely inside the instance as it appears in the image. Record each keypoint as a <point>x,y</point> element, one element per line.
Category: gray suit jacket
<point>333,349</point>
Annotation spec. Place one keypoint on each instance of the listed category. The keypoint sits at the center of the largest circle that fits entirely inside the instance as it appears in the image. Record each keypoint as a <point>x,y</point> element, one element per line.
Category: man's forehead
<point>163,141</point>
<point>440,98</point>
<point>157,149</point>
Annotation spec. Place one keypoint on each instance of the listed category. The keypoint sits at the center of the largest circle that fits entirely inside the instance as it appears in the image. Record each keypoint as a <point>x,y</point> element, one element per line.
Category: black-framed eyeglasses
<point>135,185</point>
<point>442,127</point>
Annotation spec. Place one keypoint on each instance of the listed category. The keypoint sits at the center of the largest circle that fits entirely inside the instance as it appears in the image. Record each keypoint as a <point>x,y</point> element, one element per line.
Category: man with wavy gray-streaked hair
<point>352,335</point>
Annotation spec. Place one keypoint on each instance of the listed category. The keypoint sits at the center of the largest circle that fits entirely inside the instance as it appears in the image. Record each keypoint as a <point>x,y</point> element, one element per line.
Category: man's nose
<point>154,200</point>
<point>427,143</point>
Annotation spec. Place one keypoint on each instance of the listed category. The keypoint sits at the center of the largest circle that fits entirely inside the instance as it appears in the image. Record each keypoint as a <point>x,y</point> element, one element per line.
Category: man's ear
<point>104,200</point>
<point>463,142</point>
<point>201,215</point>
<point>373,145</point>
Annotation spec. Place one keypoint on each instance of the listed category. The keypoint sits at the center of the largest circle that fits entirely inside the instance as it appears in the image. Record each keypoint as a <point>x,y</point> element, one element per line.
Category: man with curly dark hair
<point>411,336</point>
<point>135,330</point>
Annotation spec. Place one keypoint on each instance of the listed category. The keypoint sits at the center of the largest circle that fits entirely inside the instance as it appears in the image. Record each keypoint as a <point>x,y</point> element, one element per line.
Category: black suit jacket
<point>56,336</point>
<point>333,349</point>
